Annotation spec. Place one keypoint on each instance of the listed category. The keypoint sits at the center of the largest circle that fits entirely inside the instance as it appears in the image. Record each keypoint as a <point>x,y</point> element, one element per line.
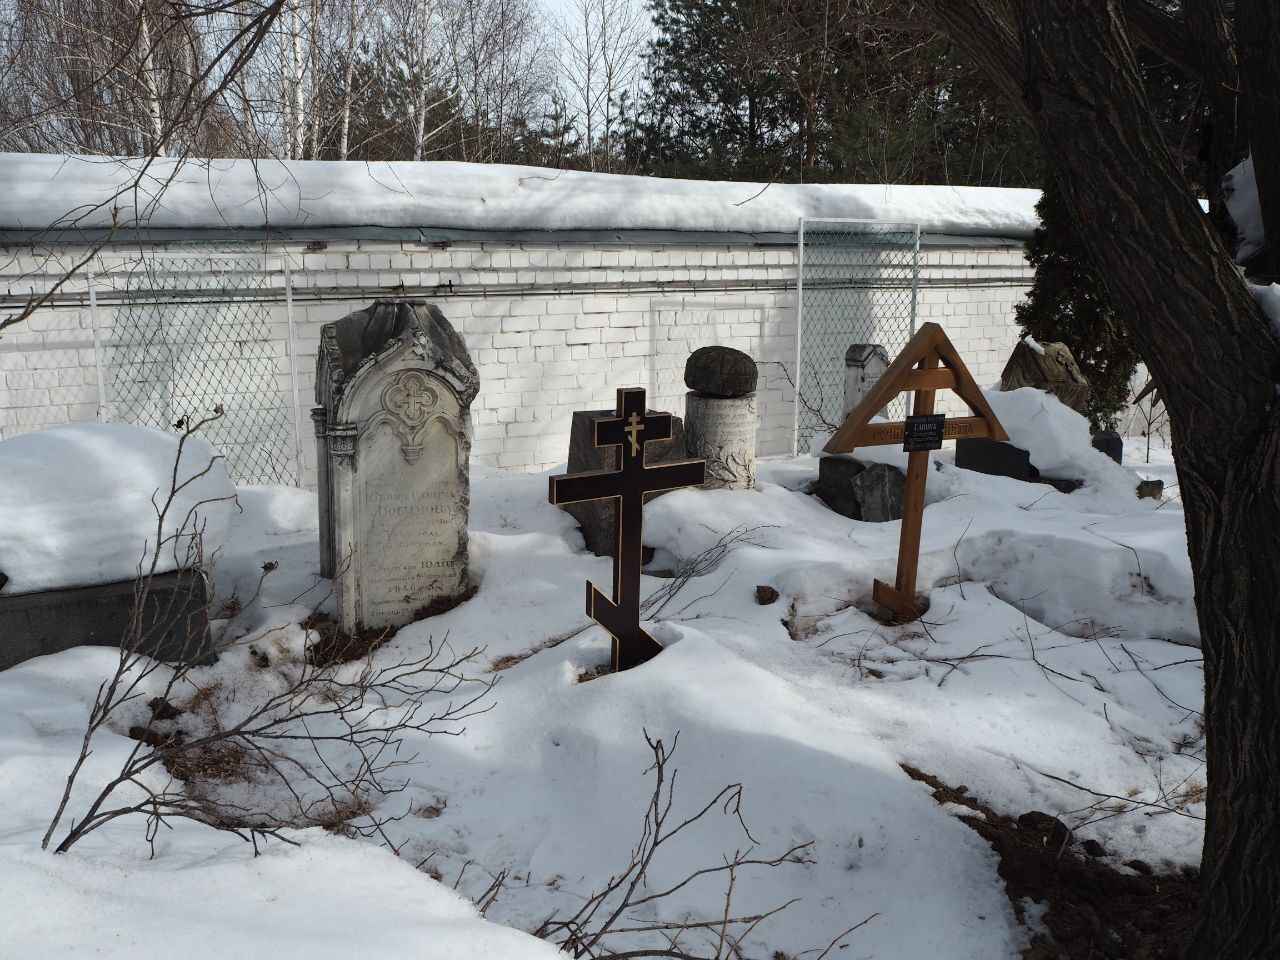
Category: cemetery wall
<point>553,325</point>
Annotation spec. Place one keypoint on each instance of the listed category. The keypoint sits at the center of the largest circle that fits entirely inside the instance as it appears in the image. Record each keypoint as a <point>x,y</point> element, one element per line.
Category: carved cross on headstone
<point>627,485</point>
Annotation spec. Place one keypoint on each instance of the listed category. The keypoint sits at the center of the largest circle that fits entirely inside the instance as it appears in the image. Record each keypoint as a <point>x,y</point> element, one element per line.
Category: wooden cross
<point>626,485</point>
<point>928,363</point>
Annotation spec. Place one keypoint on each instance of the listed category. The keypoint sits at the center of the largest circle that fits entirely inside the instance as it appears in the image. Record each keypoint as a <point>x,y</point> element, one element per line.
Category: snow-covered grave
<point>1055,671</point>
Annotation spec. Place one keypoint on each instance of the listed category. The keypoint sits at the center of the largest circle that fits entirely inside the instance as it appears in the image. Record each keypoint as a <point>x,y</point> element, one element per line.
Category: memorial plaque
<point>394,433</point>
<point>923,432</point>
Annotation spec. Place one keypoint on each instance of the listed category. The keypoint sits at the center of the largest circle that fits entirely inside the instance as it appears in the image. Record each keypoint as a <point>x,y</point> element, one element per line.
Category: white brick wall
<point>551,327</point>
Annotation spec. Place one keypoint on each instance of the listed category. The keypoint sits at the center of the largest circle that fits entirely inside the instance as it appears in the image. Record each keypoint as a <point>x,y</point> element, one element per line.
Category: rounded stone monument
<point>720,416</point>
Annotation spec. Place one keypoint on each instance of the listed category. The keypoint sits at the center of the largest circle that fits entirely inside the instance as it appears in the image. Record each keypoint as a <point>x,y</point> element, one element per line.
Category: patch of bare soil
<point>1094,911</point>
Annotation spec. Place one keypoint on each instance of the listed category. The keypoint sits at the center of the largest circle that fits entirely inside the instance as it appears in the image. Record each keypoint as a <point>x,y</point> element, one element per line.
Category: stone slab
<point>174,616</point>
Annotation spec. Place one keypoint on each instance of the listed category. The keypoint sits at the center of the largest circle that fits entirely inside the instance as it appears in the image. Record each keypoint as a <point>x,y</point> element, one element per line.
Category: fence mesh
<point>858,284</point>
<point>190,334</point>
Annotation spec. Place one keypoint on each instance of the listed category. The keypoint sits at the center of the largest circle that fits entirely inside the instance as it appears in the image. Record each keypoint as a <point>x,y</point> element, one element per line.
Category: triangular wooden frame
<point>917,368</point>
<point>928,363</point>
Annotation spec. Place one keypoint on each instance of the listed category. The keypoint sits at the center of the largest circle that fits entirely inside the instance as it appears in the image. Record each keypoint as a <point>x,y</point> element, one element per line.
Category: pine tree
<point>1068,304</point>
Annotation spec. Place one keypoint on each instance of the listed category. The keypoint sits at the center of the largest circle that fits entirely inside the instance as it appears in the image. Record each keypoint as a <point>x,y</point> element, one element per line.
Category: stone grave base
<point>174,615</point>
<point>596,517</point>
<point>722,431</point>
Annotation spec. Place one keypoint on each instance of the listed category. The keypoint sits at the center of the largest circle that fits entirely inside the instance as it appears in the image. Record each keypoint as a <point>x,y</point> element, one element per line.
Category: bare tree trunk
<point>348,69</point>
<point>149,81</point>
<point>424,74</point>
<point>1209,349</point>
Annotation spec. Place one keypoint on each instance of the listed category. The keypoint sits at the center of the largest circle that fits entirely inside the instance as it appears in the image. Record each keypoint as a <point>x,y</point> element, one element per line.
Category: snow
<point>809,703</point>
<point>1267,296</point>
<point>1240,188</point>
<point>76,504</point>
<point>79,191</point>
<point>1034,344</point>
<point>1060,444</point>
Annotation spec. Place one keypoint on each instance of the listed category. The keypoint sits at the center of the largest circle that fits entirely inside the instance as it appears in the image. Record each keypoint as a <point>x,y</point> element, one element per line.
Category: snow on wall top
<point>44,190</point>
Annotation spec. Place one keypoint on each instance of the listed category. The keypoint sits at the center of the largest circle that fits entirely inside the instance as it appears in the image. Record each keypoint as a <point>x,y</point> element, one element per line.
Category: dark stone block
<point>721,372</point>
<point>1110,443</point>
<point>596,517</point>
<point>835,485</point>
<point>174,616</point>
<point>1062,484</point>
<point>995,458</point>
<point>1151,489</point>
<point>872,493</point>
<point>881,490</point>
<point>998,458</point>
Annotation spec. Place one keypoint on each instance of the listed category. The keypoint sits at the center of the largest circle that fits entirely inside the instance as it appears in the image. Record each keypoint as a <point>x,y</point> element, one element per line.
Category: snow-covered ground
<point>1043,677</point>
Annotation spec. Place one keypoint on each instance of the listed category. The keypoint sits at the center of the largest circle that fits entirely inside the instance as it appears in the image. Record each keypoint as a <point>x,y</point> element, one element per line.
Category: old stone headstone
<point>720,417</point>
<point>395,383</point>
<point>1049,367</point>
<point>873,493</point>
<point>863,365</point>
<point>596,517</point>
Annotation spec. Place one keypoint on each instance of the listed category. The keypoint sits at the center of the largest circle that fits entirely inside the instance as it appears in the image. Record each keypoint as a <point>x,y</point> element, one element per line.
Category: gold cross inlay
<point>633,429</point>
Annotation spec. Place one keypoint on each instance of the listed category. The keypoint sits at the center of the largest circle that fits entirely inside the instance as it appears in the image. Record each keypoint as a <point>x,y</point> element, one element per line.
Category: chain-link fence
<point>858,284</point>
<point>189,334</point>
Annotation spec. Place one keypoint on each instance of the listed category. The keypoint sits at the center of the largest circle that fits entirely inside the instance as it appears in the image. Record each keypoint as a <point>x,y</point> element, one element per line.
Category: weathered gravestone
<point>864,363</point>
<point>393,432</point>
<point>873,493</point>
<point>859,491</point>
<point>622,487</point>
<point>1049,367</point>
<point>720,416</point>
<point>595,517</point>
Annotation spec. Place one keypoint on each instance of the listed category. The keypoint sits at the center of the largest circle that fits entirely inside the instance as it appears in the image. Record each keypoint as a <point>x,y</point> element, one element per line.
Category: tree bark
<point>1214,360</point>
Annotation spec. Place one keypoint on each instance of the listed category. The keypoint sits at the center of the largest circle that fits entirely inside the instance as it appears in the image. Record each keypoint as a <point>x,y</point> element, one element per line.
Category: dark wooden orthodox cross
<point>627,485</point>
<point>928,363</point>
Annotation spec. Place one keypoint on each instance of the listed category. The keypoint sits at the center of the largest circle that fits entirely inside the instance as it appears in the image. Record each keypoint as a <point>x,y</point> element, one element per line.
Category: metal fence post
<point>293,366</point>
<point>795,374</point>
<point>97,345</point>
